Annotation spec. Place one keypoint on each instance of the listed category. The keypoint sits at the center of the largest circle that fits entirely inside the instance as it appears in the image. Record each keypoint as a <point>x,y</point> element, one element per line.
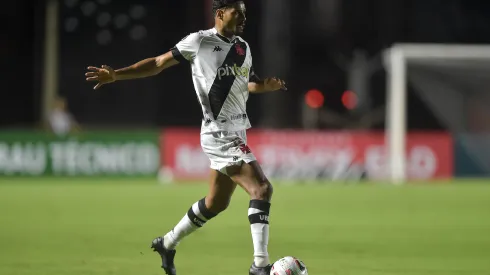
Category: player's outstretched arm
<point>266,85</point>
<point>144,68</point>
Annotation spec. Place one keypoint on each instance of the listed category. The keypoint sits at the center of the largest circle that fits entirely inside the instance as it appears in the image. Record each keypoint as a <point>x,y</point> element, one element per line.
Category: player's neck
<point>223,33</point>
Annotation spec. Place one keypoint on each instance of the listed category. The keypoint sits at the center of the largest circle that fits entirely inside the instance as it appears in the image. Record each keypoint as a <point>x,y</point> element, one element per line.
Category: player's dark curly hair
<point>219,4</point>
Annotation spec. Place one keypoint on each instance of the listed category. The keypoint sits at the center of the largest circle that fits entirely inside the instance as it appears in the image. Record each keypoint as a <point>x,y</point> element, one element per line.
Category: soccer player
<point>223,76</point>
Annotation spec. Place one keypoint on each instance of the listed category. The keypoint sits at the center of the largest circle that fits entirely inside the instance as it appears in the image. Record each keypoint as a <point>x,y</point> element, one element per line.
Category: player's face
<point>234,18</point>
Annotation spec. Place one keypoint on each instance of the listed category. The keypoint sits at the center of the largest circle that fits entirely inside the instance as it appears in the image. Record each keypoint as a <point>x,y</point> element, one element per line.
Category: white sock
<point>258,215</point>
<point>195,218</point>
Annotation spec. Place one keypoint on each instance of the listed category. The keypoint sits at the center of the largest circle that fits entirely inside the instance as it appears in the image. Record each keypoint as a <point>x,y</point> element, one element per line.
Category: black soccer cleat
<point>260,270</point>
<point>166,255</point>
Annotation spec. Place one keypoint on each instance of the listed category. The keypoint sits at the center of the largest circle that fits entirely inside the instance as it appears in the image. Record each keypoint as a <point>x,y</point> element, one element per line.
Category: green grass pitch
<point>102,227</point>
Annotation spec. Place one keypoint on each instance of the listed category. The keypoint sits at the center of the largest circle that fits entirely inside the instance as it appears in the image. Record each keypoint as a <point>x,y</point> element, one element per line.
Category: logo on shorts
<point>235,158</point>
<point>244,148</point>
<point>239,116</point>
<point>207,121</point>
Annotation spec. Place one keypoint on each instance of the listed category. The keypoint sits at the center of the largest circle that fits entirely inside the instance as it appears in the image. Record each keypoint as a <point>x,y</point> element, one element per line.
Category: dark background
<point>315,44</point>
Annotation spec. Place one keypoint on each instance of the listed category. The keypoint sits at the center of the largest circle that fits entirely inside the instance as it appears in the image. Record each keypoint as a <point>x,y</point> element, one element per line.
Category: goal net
<point>453,81</point>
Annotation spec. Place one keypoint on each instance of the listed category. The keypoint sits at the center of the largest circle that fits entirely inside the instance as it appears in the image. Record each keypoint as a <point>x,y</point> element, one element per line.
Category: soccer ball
<point>289,266</point>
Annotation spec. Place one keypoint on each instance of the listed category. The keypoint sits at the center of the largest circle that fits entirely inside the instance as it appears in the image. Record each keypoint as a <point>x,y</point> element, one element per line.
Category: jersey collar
<point>226,39</point>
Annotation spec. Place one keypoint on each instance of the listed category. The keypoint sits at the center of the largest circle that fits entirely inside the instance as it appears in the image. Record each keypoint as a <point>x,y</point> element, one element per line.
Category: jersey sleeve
<point>186,49</point>
<point>253,77</point>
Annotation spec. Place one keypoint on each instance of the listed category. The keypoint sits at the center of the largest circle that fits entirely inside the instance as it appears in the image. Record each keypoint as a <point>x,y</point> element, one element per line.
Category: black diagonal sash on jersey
<point>221,87</point>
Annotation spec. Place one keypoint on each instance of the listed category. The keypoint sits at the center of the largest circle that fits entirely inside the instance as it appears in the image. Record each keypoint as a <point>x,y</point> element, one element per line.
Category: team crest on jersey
<point>239,49</point>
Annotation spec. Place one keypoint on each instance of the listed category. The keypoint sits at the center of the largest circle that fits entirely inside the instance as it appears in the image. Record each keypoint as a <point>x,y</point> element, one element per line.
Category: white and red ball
<point>289,266</point>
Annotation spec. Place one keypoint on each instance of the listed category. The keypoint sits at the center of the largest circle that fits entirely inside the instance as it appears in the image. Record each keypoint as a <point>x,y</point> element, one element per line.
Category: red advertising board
<point>315,155</point>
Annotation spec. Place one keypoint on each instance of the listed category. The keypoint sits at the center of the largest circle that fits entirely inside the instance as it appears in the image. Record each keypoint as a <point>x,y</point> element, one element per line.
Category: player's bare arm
<point>144,68</point>
<point>266,85</point>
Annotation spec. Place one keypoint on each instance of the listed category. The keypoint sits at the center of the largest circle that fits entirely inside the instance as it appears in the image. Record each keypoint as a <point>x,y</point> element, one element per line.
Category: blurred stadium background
<point>86,176</point>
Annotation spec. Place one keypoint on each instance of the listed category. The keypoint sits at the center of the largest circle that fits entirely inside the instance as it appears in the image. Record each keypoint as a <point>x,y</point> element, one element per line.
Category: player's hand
<point>274,84</point>
<point>104,75</point>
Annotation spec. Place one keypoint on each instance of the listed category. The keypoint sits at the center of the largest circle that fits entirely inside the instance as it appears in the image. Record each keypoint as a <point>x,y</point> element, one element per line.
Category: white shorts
<point>226,149</point>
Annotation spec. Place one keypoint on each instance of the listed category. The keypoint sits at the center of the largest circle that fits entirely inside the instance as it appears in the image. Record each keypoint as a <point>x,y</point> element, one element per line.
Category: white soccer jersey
<point>221,70</point>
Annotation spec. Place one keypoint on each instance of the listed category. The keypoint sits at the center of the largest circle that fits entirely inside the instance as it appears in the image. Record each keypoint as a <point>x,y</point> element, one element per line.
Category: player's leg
<point>221,188</point>
<point>252,179</point>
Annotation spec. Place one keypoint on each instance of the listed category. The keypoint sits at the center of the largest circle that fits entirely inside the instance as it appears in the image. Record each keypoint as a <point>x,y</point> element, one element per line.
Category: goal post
<point>396,60</point>
<point>396,114</point>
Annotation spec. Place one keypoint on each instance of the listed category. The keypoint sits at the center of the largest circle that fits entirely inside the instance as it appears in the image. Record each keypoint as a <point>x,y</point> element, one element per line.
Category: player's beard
<point>239,29</point>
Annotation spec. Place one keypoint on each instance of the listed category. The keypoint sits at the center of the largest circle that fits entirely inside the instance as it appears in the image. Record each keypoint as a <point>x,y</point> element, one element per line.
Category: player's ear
<point>220,14</point>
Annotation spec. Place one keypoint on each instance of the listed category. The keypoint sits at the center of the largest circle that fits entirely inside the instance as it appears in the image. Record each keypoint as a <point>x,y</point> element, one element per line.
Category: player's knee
<point>262,191</point>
